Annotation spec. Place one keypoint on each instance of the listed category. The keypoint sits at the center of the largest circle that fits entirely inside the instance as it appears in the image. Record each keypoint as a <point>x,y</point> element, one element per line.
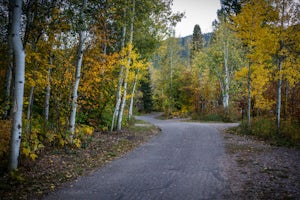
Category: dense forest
<point>71,67</point>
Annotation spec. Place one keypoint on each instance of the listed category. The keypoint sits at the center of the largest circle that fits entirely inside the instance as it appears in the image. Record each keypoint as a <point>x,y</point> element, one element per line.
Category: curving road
<point>183,162</point>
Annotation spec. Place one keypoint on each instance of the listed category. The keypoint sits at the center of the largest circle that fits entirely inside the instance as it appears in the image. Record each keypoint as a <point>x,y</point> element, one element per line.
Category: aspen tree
<point>120,117</point>
<point>120,81</point>
<point>82,37</point>
<point>19,55</point>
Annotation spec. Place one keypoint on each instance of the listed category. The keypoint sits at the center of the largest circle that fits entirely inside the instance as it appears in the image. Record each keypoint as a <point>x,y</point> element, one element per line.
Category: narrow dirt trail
<point>183,162</point>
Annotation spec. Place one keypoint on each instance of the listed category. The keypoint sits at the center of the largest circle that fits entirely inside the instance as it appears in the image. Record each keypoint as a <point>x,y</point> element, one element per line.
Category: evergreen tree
<point>147,93</point>
<point>197,41</point>
<point>230,8</point>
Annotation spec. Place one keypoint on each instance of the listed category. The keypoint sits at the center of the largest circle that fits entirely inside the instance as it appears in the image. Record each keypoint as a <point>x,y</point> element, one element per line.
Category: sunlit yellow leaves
<point>259,82</point>
<point>84,129</point>
<point>77,142</point>
<point>99,76</point>
<point>26,151</point>
<point>33,156</point>
<point>241,74</point>
<point>61,140</point>
<point>251,24</point>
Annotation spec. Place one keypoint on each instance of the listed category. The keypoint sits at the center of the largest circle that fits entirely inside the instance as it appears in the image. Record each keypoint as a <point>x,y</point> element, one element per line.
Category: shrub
<point>265,128</point>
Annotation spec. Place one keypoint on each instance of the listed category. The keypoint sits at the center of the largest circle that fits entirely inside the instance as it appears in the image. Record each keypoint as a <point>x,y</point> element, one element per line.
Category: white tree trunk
<point>47,96</point>
<point>120,117</point>
<point>132,96</point>
<point>227,78</point>
<point>123,103</point>
<point>278,102</point>
<point>120,82</point>
<point>82,36</point>
<point>19,55</point>
<point>249,96</point>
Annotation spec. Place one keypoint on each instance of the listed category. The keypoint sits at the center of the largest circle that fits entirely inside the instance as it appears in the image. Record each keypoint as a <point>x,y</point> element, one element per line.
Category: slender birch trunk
<point>120,117</point>
<point>82,36</point>
<point>227,78</point>
<point>280,62</point>
<point>278,102</point>
<point>47,96</point>
<point>249,96</point>
<point>123,103</point>
<point>170,105</point>
<point>132,96</point>
<point>120,82</point>
<point>19,55</point>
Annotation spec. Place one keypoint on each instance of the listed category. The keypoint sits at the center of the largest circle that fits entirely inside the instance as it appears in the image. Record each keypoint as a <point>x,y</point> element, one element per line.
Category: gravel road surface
<point>183,162</point>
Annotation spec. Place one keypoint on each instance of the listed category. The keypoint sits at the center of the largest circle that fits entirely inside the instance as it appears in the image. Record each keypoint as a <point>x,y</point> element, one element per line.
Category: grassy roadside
<point>56,166</point>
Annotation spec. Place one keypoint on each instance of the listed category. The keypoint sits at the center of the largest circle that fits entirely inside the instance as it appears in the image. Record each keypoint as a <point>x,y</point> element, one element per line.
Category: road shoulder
<point>256,170</point>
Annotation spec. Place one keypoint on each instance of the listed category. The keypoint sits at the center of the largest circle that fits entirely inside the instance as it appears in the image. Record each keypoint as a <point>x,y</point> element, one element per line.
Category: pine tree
<point>147,93</point>
<point>197,41</point>
<point>230,7</point>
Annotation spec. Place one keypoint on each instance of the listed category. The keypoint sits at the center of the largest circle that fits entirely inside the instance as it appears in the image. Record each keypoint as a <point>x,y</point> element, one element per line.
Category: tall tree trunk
<point>280,62</point>
<point>120,82</point>
<point>120,117</point>
<point>19,54</point>
<point>47,96</point>
<point>171,73</point>
<point>278,102</point>
<point>132,96</point>
<point>82,36</point>
<point>227,78</point>
<point>249,96</point>
<point>123,103</point>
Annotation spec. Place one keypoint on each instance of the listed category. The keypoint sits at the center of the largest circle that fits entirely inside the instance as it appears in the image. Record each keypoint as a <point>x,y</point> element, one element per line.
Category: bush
<point>265,128</point>
<point>217,115</point>
<point>290,130</point>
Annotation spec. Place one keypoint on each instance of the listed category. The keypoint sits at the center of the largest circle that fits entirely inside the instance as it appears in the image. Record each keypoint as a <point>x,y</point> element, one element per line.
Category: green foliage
<point>16,176</point>
<point>290,130</point>
<point>265,128</point>
<point>83,135</point>
<point>215,117</point>
<point>218,115</point>
<point>197,40</point>
<point>31,145</point>
<point>147,93</point>
<point>82,117</point>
